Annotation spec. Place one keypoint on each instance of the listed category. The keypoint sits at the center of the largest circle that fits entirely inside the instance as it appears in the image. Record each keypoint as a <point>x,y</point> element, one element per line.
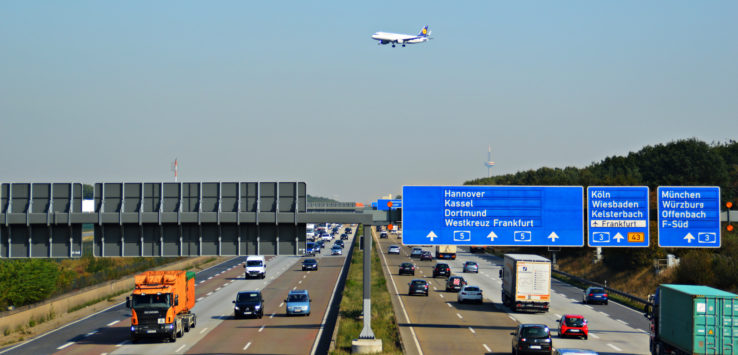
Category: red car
<point>426,256</point>
<point>573,325</point>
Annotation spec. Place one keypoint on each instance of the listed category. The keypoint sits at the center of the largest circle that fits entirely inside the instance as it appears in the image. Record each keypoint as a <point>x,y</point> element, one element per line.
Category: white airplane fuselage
<point>399,38</point>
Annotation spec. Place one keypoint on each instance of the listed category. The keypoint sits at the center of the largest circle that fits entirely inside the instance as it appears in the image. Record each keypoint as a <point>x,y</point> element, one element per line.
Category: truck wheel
<point>194,321</point>
<point>187,325</point>
<point>173,337</point>
<point>180,331</point>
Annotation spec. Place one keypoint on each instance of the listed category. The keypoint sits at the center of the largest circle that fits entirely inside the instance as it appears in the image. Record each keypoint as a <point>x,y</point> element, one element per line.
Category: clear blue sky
<point>96,91</point>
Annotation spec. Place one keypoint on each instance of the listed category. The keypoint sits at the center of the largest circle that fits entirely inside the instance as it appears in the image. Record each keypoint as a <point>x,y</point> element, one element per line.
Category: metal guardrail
<point>609,289</point>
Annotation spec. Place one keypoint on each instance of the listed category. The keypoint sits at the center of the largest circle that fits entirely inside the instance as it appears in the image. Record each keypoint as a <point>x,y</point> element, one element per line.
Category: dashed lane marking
<point>122,343</point>
<point>594,336</point>
<point>200,299</point>
<point>449,305</point>
<point>113,323</point>
<point>65,345</point>
<point>180,348</point>
<point>472,330</point>
<point>281,304</point>
<point>262,328</point>
<point>247,346</point>
<point>614,347</point>
<point>459,315</point>
<point>272,316</point>
<point>487,348</point>
<point>203,330</point>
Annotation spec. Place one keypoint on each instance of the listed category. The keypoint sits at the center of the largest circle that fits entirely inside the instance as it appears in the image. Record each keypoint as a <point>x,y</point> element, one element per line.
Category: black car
<point>407,268</point>
<point>416,252</point>
<point>595,295</point>
<point>383,235</point>
<point>455,283</point>
<point>248,304</point>
<point>344,236</point>
<point>339,243</point>
<point>531,339</point>
<point>309,264</point>
<point>426,256</point>
<point>348,230</point>
<point>418,286</point>
<point>441,269</point>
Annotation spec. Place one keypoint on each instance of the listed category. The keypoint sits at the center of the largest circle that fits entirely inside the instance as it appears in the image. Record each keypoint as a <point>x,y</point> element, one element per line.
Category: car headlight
<point>547,340</point>
<point>236,307</point>
<point>257,306</point>
<point>133,328</point>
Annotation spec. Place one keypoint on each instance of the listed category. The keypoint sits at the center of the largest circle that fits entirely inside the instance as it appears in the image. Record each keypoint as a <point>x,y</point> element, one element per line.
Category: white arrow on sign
<point>492,236</point>
<point>431,235</point>
<point>689,237</point>
<point>619,237</point>
<point>553,236</point>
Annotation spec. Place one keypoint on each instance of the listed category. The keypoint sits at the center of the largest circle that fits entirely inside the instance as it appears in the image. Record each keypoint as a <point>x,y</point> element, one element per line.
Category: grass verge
<point>350,322</point>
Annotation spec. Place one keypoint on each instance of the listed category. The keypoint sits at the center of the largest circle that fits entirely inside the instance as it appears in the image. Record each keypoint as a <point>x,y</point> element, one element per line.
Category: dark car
<point>455,283</point>
<point>248,304</point>
<point>344,236</point>
<point>595,295</point>
<point>310,248</point>
<point>309,264</point>
<point>531,339</point>
<point>383,235</point>
<point>348,229</point>
<point>416,252</point>
<point>418,286</point>
<point>339,243</point>
<point>407,268</point>
<point>441,269</point>
<point>426,256</point>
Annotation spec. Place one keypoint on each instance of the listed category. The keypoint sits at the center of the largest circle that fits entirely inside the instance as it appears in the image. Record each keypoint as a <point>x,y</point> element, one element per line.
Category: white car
<point>393,249</point>
<point>470,294</point>
<point>326,236</point>
<point>336,250</point>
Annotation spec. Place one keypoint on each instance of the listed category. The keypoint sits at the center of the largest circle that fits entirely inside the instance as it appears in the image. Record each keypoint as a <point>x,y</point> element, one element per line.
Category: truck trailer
<point>446,252</point>
<point>526,282</point>
<point>161,305</point>
<point>691,319</point>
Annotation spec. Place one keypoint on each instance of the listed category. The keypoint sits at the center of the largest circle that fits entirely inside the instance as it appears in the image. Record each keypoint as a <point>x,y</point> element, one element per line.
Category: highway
<point>217,331</point>
<point>441,325</point>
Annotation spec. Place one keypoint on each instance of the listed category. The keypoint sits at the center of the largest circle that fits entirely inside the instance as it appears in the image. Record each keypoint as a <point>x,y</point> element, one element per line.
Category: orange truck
<point>161,305</point>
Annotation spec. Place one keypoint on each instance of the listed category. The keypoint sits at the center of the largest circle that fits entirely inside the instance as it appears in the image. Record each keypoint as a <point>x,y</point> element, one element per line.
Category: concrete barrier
<point>20,318</point>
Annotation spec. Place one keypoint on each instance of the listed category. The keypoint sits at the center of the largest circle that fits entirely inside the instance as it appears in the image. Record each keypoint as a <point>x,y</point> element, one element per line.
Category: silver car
<point>470,294</point>
<point>393,249</point>
<point>471,266</point>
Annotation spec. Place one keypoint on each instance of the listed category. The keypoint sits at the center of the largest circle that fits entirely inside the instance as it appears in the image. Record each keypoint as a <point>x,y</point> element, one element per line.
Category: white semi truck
<point>526,282</point>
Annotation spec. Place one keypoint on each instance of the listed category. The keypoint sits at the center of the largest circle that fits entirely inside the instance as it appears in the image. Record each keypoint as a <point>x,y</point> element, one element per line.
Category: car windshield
<point>406,265</point>
<point>534,332</point>
<point>253,263</point>
<point>418,282</point>
<point>596,290</point>
<point>151,301</point>
<point>300,297</point>
<point>247,297</point>
<point>574,322</point>
<point>310,261</point>
<point>443,266</point>
<point>473,289</point>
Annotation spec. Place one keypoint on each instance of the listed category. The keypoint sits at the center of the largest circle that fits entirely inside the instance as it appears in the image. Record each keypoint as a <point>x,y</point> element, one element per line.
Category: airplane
<point>399,38</point>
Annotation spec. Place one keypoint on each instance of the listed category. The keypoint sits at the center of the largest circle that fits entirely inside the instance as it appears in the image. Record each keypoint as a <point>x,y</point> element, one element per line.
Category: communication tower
<point>489,163</point>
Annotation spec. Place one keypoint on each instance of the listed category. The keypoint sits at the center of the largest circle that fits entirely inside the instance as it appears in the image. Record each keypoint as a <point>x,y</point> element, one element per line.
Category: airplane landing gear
<point>393,46</point>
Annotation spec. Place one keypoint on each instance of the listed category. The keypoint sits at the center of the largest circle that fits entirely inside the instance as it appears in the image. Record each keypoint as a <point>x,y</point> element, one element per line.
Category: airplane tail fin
<point>424,32</point>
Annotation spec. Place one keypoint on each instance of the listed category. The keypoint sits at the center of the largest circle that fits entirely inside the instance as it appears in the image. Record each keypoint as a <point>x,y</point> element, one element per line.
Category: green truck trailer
<point>689,319</point>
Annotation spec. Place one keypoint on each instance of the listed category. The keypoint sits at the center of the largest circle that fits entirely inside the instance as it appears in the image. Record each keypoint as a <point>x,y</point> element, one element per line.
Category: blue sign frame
<point>618,216</point>
<point>533,216</point>
<point>689,216</point>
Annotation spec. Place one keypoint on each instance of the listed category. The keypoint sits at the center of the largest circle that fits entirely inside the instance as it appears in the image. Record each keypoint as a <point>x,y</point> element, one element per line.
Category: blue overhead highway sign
<point>689,216</point>
<point>493,215</point>
<point>617,216</point>
<point>383,206</point>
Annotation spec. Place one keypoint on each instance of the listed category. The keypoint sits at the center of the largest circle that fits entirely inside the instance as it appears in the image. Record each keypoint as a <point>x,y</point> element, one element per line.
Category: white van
<point>255,266</point>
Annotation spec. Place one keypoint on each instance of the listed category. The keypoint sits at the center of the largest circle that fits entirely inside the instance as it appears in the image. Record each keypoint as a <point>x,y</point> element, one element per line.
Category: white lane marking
<point>209,293</point>
<point>440,294</point>
<point>203,330</point>
<point>614,347</point>
<point>180,348</point>
<point>91,333</point>
<point>247,346</point>
<point>272,316</point>
<point>449,305</point>
<point>472,330</point>
<point>65,345</point>
<point>122,343</point>
<point>487,348</point>
<point>218,289</point>
<point>459,315</point>
<point>210,277</point>
<point>299,282</point>
<point>294,288</point>
<point>201,282</point>
<point>594,336</point>
<point>281,304</point>
<point>434,288</point>
<point>622,321</point>
<point>225,284</point>
<point>557,315</point>
<point>402,304</point>
<point>513,318</point>
<point>305,276</point>
<point>113,323</point>
<point>262,328</point>
<point>200,299</point>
